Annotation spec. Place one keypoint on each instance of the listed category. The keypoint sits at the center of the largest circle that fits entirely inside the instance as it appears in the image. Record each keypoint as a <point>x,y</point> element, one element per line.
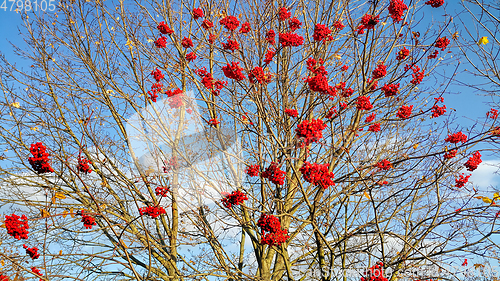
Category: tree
<point>317,149</point>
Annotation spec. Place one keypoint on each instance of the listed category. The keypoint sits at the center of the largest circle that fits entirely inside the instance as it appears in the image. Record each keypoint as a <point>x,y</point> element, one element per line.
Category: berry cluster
<point>493,114</point>
<point>390,89</point>
<point>164,29</point>
<point>245,28</point>
<point>32,252</point>
<point>375,273</point>
<point>161,42</point>
<point>234,199</point>
<point>233,71</point>
<point>257,75</point>
<point>319,82</point>
<point>290,39</point>
<point>157,75</point>
<point>231,45</point>
<point>310,131</point>
<point>83,165</point>
<point>284,14</point>
<point>338,25</point>
<point>206,24</point>
<point>294,24</point>
<point>317,174</point>
<point>197,13</point>
<point>162,191</point>
<point>450,154</point>
<point>269,56</point>
<point>397,9</point>
<point>275,236</point>
<point>253,170</point>
<point>417,75</point>
<point>473,161</point>
<point>271,37</point>
<point>404,112</point>
<point>435,3</point>
<point>460,182</point>
<point>40,160</point>
<point>156,87</point>
<point>274,174</point>
<point>367,22</point>
<point>152,211</point>
<point>213,122</point>
<point>442,43</point>
<point>456,138</point>
<point>187,42</point>
<point>403,54</point>
<point>370,118</point>
<point>379,72</point>
<point>291,112</point>
<point>37,271</point>
<point>191,57</point>
<point>374,128</point>
<point>215,86</point>
<point>88,221</point>
<point>363,103</point>
<point>15,227</point>
<point>321,32</point>
<point>230,22</point>
<point>384,165</point>
<point>438,110</point>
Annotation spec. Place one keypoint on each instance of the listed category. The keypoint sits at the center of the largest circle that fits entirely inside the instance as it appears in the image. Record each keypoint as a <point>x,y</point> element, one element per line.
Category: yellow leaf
<point>487,200</point>
<point>483,40</point>
<point>71,213</point>
<point>53,200</point>
<point>455,35</point>
<point>34,129</point>
<point>60,195</point>
<point>415,146</point>
<point>60,252</point>
<point>44,213</point>
<point>496,196</point>
<point>2,262</point>
<point>16,105</point>
<point>366,195</point>
<point>65,213</point>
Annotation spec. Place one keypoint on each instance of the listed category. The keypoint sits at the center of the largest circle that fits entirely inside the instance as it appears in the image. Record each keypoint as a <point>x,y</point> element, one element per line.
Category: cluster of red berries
<point>40,161</point>
<point>319,82</point>
<point>338,25</point>
<point>379,72</point>
<point>291,112</point>
<point>290,39</point>
<point>367,22</point>
<point>493,114</point>
<point>456,138</point>
<point>403,54</point>
<point>253,170</point>
<point>245,28</point>
<point>15,227</point>
<point>197,13</point>
<point>375,273</point>
<point>257,75</point>
<point>275,236</point>
<point>152,211</point>
<point>317,174</point>
<point>438,110</point>
<point>83,165</point>
<point>417,75</point>
<point>363,103</point>
<point>310,131</point>
<point>191,57</point>
<point>37,271</point>
<point>473,161</point>
<point>231,45</point>
<point>450,154</point>
<point>32,252</point>
<point>384,165</point>
<point>435,3</point>
<point>404,112</point>
<point>233,71</point>
<point>442,43</point>
<point>156,87</point>
<point>4,277</point>
<point>234,199</point>
<point>269,56</point>
<point>162,191</point>
<point>374,128</point>
<point>390,89</point>
<point>274,174</point>
<point>215,86</point>
<point>271,37</point>
<point>164,29</point>
<point>462,180</point>
<point>284,14</point>
<point>88,221</point>
<point>230,22</point>
<point>213,122</point>
<point>206,24</point>
<point>321,32</point>
<point>294,24</point>
<point>370,118</point>
<point>397,9</point>
<point>176,101</point>
<point>187,42</point>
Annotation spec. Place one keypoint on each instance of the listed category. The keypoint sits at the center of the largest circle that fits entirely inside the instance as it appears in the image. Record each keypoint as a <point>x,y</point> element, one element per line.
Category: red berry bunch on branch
<point>274,174</point>
<point>234,199</point>
<point>17,227</point>
<point>32,252</point>
<point>88,221</point>
<point>271,231</point>
<point>317,174</point>
<point>310,131</point>
<point>83,165</point>
<point>473,161</point>
<point>152,211</point>
<point>375,273</point>
<point>40,161</point>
